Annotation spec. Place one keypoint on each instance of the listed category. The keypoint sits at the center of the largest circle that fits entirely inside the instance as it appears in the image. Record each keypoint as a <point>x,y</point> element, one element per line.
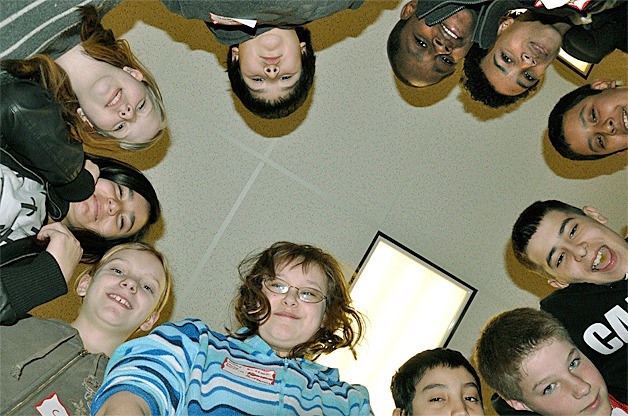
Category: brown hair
<point>252,307</point>
<point>508,339</point>
<point>100,44</point>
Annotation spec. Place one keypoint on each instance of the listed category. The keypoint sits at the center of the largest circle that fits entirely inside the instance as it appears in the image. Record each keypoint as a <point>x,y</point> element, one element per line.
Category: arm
<point>156,369</point>
<point>124,403</point>
<point>33,131</point>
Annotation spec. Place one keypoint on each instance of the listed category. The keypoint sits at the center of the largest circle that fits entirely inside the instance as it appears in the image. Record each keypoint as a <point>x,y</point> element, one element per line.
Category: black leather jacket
<point>32,130</point>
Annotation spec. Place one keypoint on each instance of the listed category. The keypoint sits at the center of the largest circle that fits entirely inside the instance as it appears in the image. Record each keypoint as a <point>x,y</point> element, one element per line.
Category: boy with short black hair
<point>270,61</point>
<point>590,122</point>
<point>435,382</point>
<point>528,357</point>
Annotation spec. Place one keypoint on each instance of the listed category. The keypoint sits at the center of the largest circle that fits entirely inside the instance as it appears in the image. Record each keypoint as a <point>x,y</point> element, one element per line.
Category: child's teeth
<point>597,259</point>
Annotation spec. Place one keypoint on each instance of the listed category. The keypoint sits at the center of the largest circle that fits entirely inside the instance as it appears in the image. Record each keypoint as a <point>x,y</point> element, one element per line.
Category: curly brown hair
<point>343,326</point>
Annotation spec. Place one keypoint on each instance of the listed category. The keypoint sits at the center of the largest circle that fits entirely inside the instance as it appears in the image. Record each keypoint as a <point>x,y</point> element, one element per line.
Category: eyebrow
<point>569,357</point>
<point>130,196</point>
<point>560,234</point>
<point>506,72</point>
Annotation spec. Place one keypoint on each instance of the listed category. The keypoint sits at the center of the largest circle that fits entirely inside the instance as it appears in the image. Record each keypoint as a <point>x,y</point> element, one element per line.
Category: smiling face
<point>574,248</point>
<point>113,211</point>
<point>598,125</point>
<point>429,54</point>
<point>119,105</point>
<point>124,292</point>
<point>557,379</point>
<point>447,391</point>
<point>270,63</point>
<point>293,321</point>
<point>520,55</point>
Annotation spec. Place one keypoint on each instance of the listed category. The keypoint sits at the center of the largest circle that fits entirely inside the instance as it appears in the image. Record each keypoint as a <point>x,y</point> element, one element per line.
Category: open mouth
<point>449,31</point>
<point>624,117</point>
<point>120,300</point>
<point>115,99</point>
<point>539,50</point>
<point>603,260</point>
<point>271,60</point>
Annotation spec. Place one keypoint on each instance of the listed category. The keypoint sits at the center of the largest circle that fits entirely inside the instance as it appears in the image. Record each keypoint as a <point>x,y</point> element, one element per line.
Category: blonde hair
<point>138,246</point>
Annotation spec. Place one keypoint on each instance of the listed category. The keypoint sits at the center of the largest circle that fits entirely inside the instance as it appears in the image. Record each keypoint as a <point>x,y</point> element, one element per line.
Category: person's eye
<point>420,42</point>
<point>257,79</point>
<point>573,231</point>
<point>436,399</point>
<point>447,60</point>
<point>593,115</point>
<point>506,58</point>
<point>560,259</point>
<point>529,77</point>
<point>286,77</point>
<point>142,104</point>
<point>116,271</point>
<point>549,389</point>
<point>122,222</point>
<point>600,141</point>
<point>574,364</point>
<point>472,399</point>
<point>148,288</point>
<point>119,127</point>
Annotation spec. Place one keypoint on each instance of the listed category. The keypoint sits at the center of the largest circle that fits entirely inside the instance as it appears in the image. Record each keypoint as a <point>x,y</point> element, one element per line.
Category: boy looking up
<point>528,357</point>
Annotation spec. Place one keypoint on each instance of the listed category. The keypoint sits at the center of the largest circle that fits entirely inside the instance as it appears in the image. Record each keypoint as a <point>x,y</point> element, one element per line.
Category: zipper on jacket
<point>62,370</point>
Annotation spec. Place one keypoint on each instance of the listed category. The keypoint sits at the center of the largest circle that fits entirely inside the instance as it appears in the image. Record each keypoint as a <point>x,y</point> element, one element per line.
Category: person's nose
<point>127,112</point>
<point>442,46</point>
<point>610,126</point>
<point>579,250</point>
<point>129,284</point>
<point>528,60</point>
<point>113,206</point>
<point>458,408</point>
<point>579,387</point>
<point>290,298</point>
<point>271,71</point>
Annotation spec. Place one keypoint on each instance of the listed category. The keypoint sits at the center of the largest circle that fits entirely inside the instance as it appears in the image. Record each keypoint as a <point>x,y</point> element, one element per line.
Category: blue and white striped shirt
<point>185,368</point>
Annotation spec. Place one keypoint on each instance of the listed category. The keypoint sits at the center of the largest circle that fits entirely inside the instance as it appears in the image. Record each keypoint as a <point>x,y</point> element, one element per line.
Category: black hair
<point>280,107</point>
<point>478,85</point>
<point>528,222</point>
<point>94,245</point>
<point>405,379</point>
<point>555,123</point>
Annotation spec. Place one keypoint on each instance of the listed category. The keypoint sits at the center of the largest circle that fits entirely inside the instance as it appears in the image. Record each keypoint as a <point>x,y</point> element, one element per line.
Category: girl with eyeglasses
<point>293,305</point>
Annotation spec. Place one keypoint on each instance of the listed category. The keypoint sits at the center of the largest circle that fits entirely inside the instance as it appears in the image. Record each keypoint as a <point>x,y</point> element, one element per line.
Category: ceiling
<point>428,167</point>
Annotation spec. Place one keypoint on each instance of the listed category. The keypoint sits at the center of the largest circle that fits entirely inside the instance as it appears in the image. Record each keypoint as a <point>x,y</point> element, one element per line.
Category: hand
<point>63,246</point>
<point>92,168</point>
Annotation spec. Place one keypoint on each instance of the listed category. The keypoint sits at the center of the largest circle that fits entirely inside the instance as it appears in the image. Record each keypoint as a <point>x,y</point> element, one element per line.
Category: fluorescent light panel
<point>410,304</point>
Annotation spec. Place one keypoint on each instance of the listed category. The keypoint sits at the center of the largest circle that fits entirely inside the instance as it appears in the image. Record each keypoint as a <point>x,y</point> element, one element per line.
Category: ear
<point>135,73</point>
<point>557,284</point>
<point>83,117</point>
<point>408,10</point>
<point>235,54</point>
<point>397,412</point>
<point>593,213</point>
<point>517,405</point>
<point>503,24</point>
<point>303,49</point>
<point>150,321</point>
<point>83,285</point>
<point>603,84</point>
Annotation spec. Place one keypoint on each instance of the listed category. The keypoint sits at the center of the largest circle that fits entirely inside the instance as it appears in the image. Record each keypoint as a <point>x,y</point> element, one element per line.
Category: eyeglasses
<point>306,294</point>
